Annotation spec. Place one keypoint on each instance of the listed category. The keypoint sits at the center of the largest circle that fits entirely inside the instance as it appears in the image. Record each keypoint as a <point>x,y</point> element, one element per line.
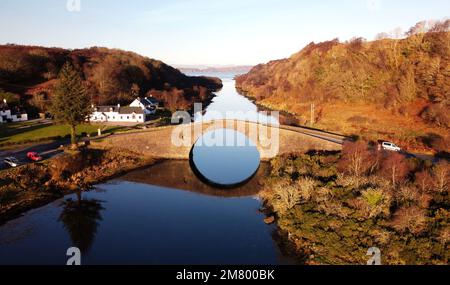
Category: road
<point>339,139</point>
<point>46,150</point>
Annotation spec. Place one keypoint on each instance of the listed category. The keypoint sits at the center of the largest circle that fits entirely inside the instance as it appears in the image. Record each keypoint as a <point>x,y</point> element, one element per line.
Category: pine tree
<point>70,103</point>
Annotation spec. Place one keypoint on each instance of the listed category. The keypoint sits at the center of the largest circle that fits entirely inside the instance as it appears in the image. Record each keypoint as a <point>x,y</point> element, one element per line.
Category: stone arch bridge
<point>175,142</point>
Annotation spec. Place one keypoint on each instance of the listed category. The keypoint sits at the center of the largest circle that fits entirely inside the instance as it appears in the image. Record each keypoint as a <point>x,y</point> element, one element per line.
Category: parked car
<point>11,161</point>
<point>390,146</point>
<point>34,156</point>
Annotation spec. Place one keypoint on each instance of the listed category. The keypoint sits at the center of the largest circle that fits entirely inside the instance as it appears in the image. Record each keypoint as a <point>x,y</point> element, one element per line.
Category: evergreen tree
<point>71,102</point>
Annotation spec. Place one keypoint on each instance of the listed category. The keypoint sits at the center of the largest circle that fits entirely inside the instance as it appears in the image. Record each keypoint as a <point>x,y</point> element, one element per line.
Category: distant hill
<point>395,89</point>
<point>208,69</point>
<point>111,76</point>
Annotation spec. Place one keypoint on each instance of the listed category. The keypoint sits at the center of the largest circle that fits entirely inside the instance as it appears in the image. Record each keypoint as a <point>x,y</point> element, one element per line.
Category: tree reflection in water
<point>81,219</point>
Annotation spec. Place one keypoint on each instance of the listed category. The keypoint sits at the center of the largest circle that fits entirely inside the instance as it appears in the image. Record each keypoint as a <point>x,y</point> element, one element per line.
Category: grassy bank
<point>35,185</point>
<point>28,132</point>
<point>332,208</point>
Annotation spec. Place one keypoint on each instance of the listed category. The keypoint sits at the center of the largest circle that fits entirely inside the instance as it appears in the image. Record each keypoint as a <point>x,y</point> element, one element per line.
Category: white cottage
<point>138,112</point>
<point>8,114</point>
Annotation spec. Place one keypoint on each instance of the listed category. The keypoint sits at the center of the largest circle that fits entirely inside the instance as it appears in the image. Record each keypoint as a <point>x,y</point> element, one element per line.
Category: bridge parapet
<point>175,142</point>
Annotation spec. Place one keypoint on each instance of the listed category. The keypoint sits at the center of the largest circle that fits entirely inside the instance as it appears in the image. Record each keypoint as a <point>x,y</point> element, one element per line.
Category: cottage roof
<point>152,100</point>
<point>119,109</point>
<point>106,109</point>
<point>130,110</point>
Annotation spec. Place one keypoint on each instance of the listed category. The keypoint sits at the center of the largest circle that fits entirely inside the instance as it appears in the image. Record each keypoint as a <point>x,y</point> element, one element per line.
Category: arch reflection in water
<point>225,158</point>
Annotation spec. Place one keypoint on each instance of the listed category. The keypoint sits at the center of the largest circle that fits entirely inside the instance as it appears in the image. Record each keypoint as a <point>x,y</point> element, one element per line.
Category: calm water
<point>141,219</point>
<point>225,157</point>
<point>229,104</point>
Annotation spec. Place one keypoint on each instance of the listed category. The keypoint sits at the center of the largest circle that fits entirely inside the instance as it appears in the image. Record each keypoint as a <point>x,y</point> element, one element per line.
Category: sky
<point>206,32</point>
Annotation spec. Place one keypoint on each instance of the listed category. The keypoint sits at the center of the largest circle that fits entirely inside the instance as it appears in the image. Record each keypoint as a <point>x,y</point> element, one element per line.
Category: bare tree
<point>395,168</point>
<point>441,176</point>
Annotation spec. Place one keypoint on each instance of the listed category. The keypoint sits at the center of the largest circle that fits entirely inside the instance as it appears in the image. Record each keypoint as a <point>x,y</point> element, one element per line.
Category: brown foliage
<point>389,71</point>
<point>441,174</point>
<point>409,219</point>
<point>66,165</point>
<point>394,168</point>
<point>437,114</point>
<point>357,159</point>
<point>424,181</point>
<point>111,76</point>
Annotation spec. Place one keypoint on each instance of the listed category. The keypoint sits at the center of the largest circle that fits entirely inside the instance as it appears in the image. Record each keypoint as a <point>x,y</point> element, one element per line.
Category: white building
<point>138,112</point>
<point>149,103</point>
<point>8,114</point>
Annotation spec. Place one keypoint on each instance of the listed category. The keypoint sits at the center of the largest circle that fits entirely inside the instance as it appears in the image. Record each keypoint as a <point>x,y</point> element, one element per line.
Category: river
<point>164,214</point>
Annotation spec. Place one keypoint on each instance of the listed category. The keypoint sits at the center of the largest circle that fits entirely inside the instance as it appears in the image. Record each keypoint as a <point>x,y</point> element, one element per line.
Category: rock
<point>269,220</point>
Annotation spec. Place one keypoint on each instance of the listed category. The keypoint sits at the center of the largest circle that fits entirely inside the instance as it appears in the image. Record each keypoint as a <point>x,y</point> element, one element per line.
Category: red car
<point>34,156</point>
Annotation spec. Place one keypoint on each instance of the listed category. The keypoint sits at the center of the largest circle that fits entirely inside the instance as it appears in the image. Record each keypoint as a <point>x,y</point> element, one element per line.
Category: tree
<point>419,28</point>
<point>135,90</point>
<point>441,176</point>
<point>356,158</point>
<point>10,98</point>
<point>395,168</point>
<point>71,103</point>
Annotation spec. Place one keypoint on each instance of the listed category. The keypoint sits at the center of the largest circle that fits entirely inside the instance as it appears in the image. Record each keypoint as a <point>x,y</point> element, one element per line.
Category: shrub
<point>306,187</point>
<point>359,120</point>
<point>435,141</point>
<point>441,177</point>
<point>349,181</point>
<point>373,197</point>
<point>437,114</point>
<point>409,219</point>
<point>285,198</point>
<point>66,165</point>
<point>376,202</point>
<point>407,196</point>
<point>7,194</point>
<point>31,176</point>
<point>424,181</point>
<point>444,236</point>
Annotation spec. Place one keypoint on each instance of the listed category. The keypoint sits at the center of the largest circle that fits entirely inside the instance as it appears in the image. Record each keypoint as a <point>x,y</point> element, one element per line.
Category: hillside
<point>28,74</point>
<point>385,89</point>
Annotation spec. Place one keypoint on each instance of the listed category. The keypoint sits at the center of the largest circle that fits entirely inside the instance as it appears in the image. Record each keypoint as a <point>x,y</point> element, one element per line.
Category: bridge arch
<point>175,142</point>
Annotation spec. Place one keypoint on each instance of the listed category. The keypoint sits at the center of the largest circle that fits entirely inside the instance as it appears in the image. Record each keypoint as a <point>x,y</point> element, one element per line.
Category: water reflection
<point>175,174</point>
<point>225,158</point>
<point>81,218</point>
<point>162,215</point>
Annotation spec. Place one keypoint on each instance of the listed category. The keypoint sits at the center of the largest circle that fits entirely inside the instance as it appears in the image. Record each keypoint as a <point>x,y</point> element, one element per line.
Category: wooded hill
<point>388,88</point>
<point>28,73</point>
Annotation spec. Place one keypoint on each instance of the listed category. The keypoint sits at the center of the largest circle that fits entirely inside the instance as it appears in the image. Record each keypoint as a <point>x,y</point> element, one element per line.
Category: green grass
<point>17,133</point>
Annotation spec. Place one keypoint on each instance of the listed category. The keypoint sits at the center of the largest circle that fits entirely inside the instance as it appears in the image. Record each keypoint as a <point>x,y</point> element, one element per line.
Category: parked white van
<point>390,146</point>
